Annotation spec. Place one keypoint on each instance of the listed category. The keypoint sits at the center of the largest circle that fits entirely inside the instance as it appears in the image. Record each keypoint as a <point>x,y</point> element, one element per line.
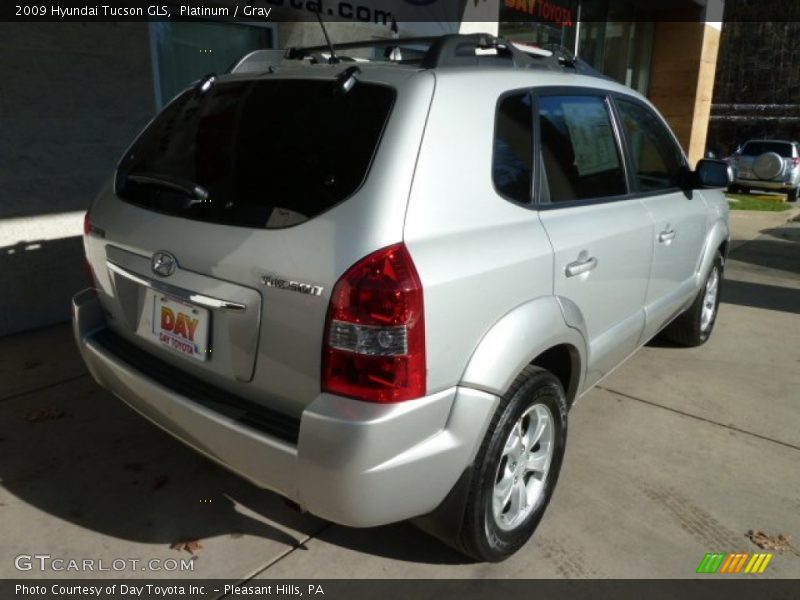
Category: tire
<point>734,189</point>
<point>695,325</point>
<point>768,166</point>
<point>792,195</point>
<point>493,534</point>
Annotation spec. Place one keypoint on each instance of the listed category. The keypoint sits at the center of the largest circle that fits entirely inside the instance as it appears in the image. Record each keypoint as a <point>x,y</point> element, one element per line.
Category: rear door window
<point>266,154</point>
<point>579,149</point>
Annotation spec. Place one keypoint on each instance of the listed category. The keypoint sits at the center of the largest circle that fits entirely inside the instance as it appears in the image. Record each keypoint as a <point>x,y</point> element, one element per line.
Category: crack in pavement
<point>44,387</point>
<point>699,418</point>
<point>280,557</point>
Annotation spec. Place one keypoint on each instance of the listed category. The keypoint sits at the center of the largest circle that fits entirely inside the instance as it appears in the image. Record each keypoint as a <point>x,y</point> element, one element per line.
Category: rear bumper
<point>354,463</point>
<point>760,184</point>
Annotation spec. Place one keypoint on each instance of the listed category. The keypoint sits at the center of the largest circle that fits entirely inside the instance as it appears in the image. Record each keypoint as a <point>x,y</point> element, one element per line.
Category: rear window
<point>759,148</point>
<point>266,154</point>
<point>513,147</point>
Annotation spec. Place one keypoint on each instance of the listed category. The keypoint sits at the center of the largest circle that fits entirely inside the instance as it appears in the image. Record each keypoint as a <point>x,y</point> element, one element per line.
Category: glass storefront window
<point>539,34</point>
<point>186,51</point>
<point>612,37</point>
<point>621,50</point>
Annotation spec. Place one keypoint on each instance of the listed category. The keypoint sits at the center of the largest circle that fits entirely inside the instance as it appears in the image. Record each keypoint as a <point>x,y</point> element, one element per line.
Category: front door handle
<point>584,264</point>
<point>667,235</point>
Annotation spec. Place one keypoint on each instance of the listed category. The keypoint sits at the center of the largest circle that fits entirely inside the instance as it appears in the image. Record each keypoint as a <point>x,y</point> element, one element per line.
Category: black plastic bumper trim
<point>246,412</point>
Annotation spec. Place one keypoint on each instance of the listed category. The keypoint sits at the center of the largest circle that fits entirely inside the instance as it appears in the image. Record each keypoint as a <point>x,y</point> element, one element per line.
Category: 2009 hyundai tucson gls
<point>377,287</point>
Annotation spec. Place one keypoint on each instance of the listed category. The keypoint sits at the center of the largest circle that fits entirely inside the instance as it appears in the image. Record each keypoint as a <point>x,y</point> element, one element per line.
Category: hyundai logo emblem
<point>163,263</point>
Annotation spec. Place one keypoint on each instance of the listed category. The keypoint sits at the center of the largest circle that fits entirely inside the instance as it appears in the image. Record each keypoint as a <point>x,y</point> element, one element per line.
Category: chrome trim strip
<point>199,299</point>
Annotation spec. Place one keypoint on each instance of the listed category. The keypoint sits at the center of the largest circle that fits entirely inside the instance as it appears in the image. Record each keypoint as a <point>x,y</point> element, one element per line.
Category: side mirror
<point>713,174</point>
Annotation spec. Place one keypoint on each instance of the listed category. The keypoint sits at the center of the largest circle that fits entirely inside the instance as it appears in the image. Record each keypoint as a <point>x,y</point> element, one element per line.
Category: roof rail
<point>299,53</point>
<point>566,58</point>
<point>455,50</point>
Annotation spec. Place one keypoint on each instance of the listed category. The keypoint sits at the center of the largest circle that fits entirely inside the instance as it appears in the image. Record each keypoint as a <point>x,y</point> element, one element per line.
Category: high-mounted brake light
<point>87,223</point>
<point>375,331</point>
<point>87,230</point>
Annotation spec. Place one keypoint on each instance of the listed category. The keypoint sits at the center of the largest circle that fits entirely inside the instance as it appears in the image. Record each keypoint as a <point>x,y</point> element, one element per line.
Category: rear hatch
<point>234,213</point>
<point>752,151</point>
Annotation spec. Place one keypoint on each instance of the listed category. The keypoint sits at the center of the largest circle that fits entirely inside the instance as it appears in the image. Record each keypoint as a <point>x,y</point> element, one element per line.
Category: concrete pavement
<point>748,225</point>
<point>678,453</point>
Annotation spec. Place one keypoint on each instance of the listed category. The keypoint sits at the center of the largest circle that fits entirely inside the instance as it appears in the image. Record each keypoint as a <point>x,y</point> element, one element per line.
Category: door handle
<point>201,299</point>
<point>667,235</point>
<point>584,264</point>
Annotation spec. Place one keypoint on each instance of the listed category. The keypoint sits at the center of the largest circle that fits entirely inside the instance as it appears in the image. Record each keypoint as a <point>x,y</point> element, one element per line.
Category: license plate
<point>181,327</point>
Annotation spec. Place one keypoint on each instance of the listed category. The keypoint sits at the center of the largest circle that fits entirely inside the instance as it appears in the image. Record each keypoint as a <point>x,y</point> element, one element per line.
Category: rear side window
<point>657,159</point>
<point>759,148</point>
<point>264,154</point>
<point>513,147</point>
<point>580,153</point>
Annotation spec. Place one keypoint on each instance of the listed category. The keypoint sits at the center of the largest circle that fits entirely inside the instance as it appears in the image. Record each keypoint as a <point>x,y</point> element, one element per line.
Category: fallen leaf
<point>778,543</point>
<point>31,364</point>
<point>191,545</point>
<point>236,534</point>
<point>159,482</point>
<point>45,414</point>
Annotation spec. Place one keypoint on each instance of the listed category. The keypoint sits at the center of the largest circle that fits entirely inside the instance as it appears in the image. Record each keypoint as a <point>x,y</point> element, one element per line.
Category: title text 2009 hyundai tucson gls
<point>376,288</point>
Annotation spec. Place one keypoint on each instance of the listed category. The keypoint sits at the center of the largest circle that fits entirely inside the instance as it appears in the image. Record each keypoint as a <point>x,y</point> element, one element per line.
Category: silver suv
<point>377,287</point>
<point>767,165</point>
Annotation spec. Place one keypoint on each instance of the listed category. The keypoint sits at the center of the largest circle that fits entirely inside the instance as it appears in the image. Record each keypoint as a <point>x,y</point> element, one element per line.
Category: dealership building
<point>76,94</point>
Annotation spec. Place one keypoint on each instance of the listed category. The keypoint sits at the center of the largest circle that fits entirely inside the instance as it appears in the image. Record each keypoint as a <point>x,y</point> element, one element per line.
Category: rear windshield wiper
<point>189,188</point>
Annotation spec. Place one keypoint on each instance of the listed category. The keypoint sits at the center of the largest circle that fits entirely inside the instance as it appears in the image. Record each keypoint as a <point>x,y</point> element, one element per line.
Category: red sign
<point>541,10</point>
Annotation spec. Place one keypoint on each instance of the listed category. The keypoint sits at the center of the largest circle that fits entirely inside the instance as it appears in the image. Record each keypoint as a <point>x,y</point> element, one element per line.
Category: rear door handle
<point>200,299</point>
<point>667,235</point>
<point>584,264</point>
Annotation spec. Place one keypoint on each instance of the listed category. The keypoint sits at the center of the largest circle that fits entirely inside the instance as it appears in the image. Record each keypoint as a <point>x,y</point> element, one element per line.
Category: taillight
<point>375,331</point>
<point>87,223</point>
<point>796,161</point>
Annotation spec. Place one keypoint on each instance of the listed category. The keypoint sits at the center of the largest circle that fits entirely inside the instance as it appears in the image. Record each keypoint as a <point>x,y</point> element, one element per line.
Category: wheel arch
<point>717,240</point>
<point>563,361</point>
<point>534,333</point>
<point>724,248</point>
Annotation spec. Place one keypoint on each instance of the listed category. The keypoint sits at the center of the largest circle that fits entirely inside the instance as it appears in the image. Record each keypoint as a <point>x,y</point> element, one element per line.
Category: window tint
<point>657,159</point>
<point>579,150</point>
<point>759,148</point>
<point>257,153</point>
<point>513,147</point>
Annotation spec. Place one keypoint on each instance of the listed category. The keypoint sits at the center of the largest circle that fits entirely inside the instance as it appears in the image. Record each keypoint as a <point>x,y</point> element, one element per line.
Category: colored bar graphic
<point>756,558</point>
<point>740,564</point>
<point>733,563</point>
<point>728,562</point>
<point>711,562</point>
<point>765,562</point>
